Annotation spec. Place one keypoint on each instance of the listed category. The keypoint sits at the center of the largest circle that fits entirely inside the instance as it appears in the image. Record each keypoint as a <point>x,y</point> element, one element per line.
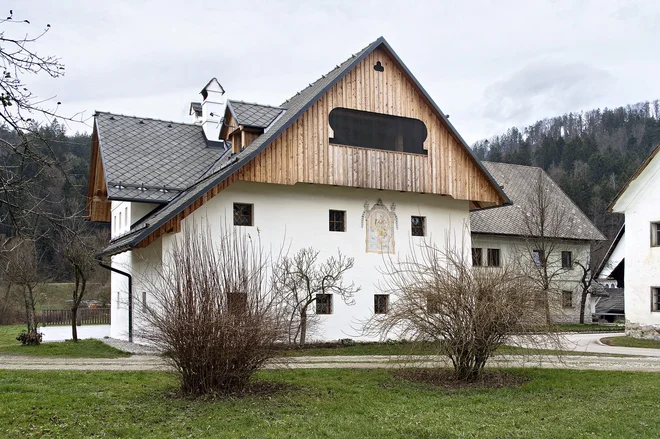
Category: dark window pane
<point>477,257</point>
<point>567,299</point>
<point>566,260</point>
<point>242,214</point>
<point>324,304</point>
<point>337,223</point>
<point>655,299</point>
<point>381,303</point>
<point>493,257</point>
<point>377,131</point>
<point>418,225</point>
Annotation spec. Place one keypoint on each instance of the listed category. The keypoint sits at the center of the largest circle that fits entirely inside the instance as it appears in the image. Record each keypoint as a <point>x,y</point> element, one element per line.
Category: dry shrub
<point>438,296</point>
<point>211,313</point>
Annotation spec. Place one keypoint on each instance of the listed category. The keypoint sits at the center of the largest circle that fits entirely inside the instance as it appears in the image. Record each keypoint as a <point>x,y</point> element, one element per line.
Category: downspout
<point>130,295</point>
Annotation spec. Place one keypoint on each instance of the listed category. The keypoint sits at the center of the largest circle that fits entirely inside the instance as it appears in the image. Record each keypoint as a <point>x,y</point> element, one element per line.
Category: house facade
<point>362,161</point>
<point>639,200</point>
<point>542,233</point>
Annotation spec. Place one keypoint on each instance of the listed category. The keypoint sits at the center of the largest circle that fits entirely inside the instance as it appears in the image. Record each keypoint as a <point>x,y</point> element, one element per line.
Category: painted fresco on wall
<point>379,223</point>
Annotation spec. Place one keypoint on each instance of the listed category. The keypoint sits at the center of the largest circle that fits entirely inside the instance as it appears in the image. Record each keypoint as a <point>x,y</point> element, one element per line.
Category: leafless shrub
<point>438,296</point>
<point>211,313</point>
<point>299,280</point>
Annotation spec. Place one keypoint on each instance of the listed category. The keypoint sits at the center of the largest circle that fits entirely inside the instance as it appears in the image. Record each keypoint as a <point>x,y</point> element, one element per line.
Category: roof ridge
<point>514,164</point>
<point>96,112</point>
<point>255,103</point>
<point>338,66</point>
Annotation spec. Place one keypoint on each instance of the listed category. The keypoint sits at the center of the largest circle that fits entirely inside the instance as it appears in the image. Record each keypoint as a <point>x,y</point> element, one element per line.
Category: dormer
<point>245,121</point>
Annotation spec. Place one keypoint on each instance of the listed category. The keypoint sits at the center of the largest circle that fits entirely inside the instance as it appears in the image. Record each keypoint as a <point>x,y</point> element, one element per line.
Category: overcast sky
<point>490,65</point>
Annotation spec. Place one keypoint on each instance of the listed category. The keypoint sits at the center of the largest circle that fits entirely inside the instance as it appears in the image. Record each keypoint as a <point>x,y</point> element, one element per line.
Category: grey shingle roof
<point>521,183</point>
<point>253,115</point>
<point>612,303</point>
<point>151,160</point>
<point>294,108</point>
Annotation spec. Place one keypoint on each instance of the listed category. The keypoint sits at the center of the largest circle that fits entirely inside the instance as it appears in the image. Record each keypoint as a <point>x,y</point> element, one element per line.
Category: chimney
<point>213,109</point>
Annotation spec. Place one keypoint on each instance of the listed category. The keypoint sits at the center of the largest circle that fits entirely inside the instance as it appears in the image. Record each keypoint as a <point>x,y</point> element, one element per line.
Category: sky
<point>490,65</point>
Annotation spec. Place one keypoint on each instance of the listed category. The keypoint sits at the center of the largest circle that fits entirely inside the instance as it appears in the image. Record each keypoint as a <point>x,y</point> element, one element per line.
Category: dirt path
<point>152,363</point>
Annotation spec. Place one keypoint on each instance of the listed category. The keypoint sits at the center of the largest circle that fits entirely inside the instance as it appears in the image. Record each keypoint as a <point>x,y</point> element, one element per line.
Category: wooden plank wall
<point>303,152</point>
<point>98,207</point>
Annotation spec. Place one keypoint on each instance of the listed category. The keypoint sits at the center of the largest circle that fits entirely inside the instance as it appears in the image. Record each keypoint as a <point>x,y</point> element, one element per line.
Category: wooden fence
<point>86,316</point>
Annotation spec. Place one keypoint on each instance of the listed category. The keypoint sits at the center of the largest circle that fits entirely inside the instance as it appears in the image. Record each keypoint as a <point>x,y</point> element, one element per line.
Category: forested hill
<point>591,155</point>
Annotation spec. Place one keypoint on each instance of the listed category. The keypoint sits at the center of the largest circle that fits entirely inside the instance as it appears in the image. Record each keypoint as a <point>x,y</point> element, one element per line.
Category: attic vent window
<point>379,67</point>
<point>364,129</point>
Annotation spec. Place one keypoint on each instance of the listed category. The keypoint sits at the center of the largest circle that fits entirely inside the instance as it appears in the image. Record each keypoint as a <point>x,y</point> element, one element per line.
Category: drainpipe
<point>130,295</point>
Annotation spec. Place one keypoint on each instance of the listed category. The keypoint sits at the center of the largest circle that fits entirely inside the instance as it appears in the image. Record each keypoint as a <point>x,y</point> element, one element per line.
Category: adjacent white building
<point>639,200</point>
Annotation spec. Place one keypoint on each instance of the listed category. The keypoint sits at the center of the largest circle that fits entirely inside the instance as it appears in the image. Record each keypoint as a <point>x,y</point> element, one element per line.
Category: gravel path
<point>151,362</point>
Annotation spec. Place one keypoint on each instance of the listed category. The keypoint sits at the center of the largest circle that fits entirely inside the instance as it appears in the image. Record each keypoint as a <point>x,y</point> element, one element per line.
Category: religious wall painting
<point>379,223</point>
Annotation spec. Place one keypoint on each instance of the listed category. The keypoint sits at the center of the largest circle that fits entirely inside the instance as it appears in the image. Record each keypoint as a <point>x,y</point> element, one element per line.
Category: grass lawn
<point>631,342</point>
<point>589,328</point>
<point>81,349</point>
<point>330,403</point>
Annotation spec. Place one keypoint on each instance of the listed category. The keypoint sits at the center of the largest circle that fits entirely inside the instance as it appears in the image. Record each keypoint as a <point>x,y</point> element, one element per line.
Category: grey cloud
<point>547,87</point>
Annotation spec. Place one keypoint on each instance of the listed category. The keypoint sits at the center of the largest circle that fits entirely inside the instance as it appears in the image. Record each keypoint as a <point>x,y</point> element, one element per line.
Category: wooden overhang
<point>299,149</point>
<point>97,206</point>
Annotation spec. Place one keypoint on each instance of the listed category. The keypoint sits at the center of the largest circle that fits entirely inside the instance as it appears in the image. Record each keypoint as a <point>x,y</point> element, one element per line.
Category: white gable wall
<point>641,205</point>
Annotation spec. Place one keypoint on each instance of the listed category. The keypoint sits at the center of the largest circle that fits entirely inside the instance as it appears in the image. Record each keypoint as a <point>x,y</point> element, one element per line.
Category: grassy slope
<point>81,349</point>
<point>330,403</point>
<point>631,342</point>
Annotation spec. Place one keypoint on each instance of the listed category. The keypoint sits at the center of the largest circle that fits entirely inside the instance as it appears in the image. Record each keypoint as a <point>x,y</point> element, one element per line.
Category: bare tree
<point>588,274</point>
<point>21,268</point>
<point>469,312</point>
<point>78,244</point>
<point>302,279</point>
<point>539,255</point>
<point>211,311</point>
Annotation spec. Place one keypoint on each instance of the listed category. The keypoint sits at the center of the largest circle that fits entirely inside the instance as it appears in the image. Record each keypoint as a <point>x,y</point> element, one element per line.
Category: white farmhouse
<point>558,245</point>
<point>361,160</point>
<point>639,200</point>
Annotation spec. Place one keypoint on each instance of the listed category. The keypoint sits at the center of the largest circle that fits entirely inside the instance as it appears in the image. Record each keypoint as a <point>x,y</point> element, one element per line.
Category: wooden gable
<point>303,152</point>
<point>97,207</point>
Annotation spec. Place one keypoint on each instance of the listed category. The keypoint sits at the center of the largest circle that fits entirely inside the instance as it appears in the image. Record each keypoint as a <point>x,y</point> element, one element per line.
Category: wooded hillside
<point>590,154</point>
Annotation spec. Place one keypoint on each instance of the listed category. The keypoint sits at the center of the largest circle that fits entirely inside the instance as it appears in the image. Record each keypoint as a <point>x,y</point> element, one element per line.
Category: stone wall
<point>636,330</point>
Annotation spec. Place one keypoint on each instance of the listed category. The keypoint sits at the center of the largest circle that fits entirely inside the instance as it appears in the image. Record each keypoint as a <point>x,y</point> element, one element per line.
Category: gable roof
<point>293,109</point>
<point>253,115</point>
<point>137,156</point>
<point>518,182</point>
<point>637,173</point>
<point>613,246</point>
<point>612,302</point>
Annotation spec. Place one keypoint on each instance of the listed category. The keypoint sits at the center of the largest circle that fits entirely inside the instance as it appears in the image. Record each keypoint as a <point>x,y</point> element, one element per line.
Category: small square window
<point>493,257</point>
<point>337,221</point>
<point>418,225</point>
<point>567,299</point>
<point>655,299</point>
<point>538,258</point>
<point>381,303</point>
<point>324,304</point>
<point>237,303</point>
<point>477,257</point>
<point>566,260</point>
<point>655,234</point>
<point>242,214</point>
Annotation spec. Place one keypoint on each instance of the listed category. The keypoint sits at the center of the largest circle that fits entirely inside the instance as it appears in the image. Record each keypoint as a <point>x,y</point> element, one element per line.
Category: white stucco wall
<point>641,205</point>
<point>512,251</point>
<point>297,216</point>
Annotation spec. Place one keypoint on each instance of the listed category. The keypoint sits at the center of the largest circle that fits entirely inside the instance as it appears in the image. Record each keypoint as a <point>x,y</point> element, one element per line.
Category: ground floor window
<point>493,257</point>
<point>477,257</point>
<point>655,299</point>
<point>567,299</point>
<point>243,214</point>
<point>324,304</point>
<point>381,303</point>
<point>418,225</point>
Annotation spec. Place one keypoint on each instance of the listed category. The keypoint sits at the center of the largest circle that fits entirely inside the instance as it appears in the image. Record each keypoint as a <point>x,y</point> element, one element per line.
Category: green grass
<point>55,295</point>
<point>588,328</point>
<point>81,349</point>
<point>631,342</point>
<point>329,404</point>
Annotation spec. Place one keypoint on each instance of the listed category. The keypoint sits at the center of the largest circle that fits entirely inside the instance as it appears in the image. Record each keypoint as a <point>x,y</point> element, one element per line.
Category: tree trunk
<point>74,321</point>
<point>583,304</point>
<point>303,326</point>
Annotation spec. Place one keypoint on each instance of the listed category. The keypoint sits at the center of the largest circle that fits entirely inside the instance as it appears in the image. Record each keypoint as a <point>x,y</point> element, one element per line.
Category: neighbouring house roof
<point>637,173</point>
<point>612,302</point>
<point>606,258</point>
<point>152,160</point>
<point>520,183</point>
<point>253,115</point>
<point>292,108</point>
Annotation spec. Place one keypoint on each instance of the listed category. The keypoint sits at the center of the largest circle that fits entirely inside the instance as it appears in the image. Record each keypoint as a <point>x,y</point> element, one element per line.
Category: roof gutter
<point>130,295</point>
